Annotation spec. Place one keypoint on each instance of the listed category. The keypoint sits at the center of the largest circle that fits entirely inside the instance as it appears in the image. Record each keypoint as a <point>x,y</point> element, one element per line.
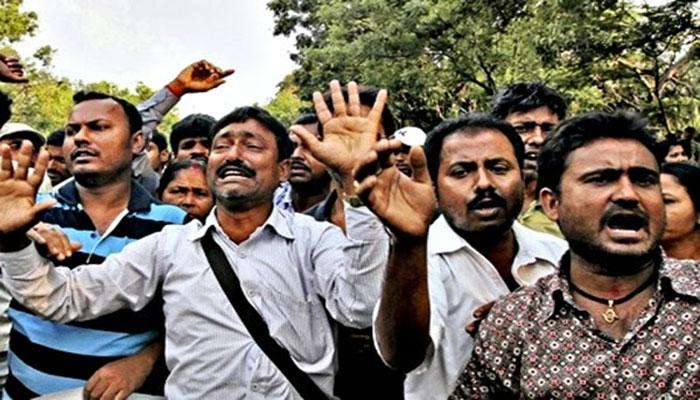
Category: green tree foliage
<point>45,101</point>
<point>286,105</point>
<point>439,58</point>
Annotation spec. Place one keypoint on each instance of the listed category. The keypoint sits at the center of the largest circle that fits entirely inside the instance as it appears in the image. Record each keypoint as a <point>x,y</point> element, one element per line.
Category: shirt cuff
<point>22,263</point>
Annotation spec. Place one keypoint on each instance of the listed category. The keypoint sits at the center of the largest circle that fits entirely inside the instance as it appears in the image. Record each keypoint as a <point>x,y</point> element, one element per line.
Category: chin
<point>615,259</point>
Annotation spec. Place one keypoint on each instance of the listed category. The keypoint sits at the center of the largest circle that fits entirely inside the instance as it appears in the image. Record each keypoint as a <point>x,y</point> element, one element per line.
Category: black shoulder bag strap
<point>255,324</point>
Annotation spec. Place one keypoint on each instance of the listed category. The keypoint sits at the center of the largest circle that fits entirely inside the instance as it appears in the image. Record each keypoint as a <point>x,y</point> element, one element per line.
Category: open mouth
<point>626,227</point>
<point>297,166</point>
<point>82,155</point>
<point>234,171</point>
<point>531,155</point>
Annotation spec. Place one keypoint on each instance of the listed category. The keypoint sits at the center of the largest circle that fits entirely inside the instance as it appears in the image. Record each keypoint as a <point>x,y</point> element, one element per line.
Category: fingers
<point>337,99</point>
<point>37,177</point>
<point>54,240</point>
<point>378,159</point>
<point>324,115</point>
<point>24,160</point>
<point>6,167</point>
<point>306,139</point>
<point>473,327</point>
<point>353,99</point>
<point>375,115</point>
<point>483,310</point>
<point>367,167</point>
<point>419,164</point>
<point>227,72</point>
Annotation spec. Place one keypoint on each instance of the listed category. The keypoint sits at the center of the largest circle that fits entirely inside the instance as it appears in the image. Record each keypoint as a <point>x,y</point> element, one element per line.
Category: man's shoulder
<point>524,307</point>
<point>684,276</point>
<point>545,243</point>
<point>164,213</point>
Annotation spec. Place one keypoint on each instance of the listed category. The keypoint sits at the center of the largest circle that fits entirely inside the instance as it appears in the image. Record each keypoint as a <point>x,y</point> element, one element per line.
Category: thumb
<point>308,139</point>
<point>419,164</point>
<point>42,206</point>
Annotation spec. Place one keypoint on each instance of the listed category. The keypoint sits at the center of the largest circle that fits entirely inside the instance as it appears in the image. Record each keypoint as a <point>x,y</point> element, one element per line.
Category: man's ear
<point>550,203</point>
<point>284,167</point>
<point>138,142</point>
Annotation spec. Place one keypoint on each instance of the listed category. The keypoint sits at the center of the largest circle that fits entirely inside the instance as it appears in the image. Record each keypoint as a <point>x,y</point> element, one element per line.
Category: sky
<point>151,41</point>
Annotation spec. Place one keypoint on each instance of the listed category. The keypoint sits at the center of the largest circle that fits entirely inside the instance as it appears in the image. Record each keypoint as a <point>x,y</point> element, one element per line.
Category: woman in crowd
<point>681,190</point>
<point>184,184</point>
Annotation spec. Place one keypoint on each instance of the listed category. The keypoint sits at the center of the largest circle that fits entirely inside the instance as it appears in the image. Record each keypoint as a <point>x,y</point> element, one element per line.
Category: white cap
<point>16,130</point>
<point>410,136</point>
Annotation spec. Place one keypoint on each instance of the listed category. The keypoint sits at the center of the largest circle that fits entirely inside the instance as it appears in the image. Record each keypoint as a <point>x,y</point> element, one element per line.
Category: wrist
<point>12,242</point>
<point>176,88</point>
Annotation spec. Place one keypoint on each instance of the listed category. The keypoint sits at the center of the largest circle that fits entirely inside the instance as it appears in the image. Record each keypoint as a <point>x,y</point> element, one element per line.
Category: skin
<point>14,144</point>
<point>156,157</point>
<point>57,169</point>
<point>196,148</point>
<point>533,140</point>
<point>400,158</point>
<point>681,238</point>
<point>308,176</point>
<point>676,154</point>
<point>610,177</point>
<point>190,192</point>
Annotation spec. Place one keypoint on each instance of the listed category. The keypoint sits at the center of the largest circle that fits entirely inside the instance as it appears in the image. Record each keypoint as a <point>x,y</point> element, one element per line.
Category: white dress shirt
<point>460,279</point>
<point>286,267</point>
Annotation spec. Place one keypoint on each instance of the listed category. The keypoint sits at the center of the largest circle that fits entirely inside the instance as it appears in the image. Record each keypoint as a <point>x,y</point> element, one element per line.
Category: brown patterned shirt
<point>537,343</point>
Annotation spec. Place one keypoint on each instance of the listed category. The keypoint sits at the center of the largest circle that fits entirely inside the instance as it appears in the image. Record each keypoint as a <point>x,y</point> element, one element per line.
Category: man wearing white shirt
<point>475,251</point>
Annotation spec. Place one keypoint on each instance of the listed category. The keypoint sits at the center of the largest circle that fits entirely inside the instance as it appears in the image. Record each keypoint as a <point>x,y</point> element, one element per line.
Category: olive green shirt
<point>535,219</point>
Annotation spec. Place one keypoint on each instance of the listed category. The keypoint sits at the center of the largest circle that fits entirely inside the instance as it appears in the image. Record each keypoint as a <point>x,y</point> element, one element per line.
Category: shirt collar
<point>139,199</point>
<point>280,221</point>
<point>532,248</point>
<point>443,239</point>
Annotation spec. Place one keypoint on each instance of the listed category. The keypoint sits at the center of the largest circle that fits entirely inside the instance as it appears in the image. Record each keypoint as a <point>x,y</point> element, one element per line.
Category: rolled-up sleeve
<point>128,279</point>
<point>349,269</point>
<point>154,109</point>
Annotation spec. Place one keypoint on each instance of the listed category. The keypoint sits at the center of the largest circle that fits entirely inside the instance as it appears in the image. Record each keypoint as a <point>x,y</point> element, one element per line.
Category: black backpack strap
<point>255,324</point>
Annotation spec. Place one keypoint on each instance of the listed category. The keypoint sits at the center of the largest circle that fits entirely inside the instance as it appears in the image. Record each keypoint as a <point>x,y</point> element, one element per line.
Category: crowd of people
<point>520,253</point>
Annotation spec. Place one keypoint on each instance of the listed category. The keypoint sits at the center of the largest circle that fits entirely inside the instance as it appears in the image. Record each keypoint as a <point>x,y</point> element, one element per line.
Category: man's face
<point>57,170</point>
<point>157,157</point>
<point>15,144</point>
<point>479,184</point>
<point>533,126</point>
<point>98,143</point>
<point>400,160</point>
<point>243,170</point>
<point>676,154</point>
<point>305,169</point>
<point>610,205</point>
<point>196,148</point>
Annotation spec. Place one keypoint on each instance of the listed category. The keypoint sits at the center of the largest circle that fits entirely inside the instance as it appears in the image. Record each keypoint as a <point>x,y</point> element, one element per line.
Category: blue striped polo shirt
<point>47,357</point>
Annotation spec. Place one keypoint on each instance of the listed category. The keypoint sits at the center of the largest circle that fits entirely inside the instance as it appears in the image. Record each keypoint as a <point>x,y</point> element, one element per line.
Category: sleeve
<point>128,279</point>
<point>349,269</point>
<point>154,109</point>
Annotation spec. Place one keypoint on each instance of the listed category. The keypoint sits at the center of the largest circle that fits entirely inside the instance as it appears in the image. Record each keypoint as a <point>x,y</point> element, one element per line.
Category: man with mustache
<point>102,209</point>
<point>57,169</point>
<point>476,252</point>
<point>534,110</point>
<point>309,180</point>
<point>190,137</point>
<point>617,320</point>
<point>299,275</point>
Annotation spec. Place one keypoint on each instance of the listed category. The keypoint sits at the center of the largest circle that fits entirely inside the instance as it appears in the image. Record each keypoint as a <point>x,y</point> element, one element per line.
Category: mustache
<point>486,199</point>
<point>82,150</point>
<point>298,164</point>
<point>237,166</point>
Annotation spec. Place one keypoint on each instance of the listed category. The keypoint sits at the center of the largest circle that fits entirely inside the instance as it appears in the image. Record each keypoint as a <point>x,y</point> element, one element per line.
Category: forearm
<point>403,321</point>
<point>14,241</point>
<point>155,108</point>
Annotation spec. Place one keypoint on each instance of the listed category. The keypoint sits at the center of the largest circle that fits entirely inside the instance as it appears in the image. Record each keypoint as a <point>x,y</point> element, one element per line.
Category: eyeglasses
<point>528,127</point>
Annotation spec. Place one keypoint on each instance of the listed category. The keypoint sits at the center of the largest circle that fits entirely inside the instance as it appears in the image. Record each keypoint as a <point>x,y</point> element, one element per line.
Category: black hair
<point>56,138</point>
<point>469,123</point>
<point>578,131</point>
<point>308,119</point>
<point>5,108</point>
<point>285,147</point>
<point>368,95</point>
<point>523,97</point>
<point>192,126</point>
<point>132,114</point>
<point>160,140</point>
<point>172,170</point>
<point>688,176</point>
<point>664,146</point>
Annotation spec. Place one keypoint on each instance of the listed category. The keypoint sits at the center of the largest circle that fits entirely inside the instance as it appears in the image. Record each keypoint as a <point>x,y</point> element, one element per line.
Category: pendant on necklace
<point>610,315</point>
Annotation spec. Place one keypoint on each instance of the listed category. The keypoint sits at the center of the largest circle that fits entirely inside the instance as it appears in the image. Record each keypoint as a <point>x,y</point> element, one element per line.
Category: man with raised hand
<point>617,320</point>
<point>293,272</point>
<point>102,209</point>
<point>445,276</point>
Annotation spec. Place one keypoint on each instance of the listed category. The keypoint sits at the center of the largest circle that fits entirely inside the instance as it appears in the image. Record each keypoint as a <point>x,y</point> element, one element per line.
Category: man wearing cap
<point>409,136</point>
<point>13,133</point>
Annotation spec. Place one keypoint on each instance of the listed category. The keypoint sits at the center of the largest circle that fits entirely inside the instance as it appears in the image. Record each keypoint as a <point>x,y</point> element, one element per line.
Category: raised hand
<point>18,189</point>
<point>200,76</point>
<point>347,135</point>
<point>11,71</point>
<point>406,205</point>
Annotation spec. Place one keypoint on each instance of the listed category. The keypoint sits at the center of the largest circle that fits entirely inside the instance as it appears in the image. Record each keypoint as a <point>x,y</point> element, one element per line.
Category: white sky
<point>126,41</point>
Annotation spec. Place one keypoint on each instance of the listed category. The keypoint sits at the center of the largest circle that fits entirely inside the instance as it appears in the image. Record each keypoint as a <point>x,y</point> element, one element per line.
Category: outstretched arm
<point>406,206</point>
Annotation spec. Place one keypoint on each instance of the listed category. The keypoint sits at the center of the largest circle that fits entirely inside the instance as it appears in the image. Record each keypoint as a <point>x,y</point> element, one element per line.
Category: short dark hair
<point>578,131</point>
<point>522,97</point>
<point>160,140</point>
<point>242,114</point>
<point>5,108</point>
<point>56,138</point>
<point>132,114</point>
<point>664,146</point>
<point>469,123</point>
<point>688,176</point>
<point>308,119</point>
<point>172,170</point>
<point>368,95</point>
<point>192,126</point>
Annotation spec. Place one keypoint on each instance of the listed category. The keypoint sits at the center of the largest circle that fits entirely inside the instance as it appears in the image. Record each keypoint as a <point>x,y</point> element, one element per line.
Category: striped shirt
<point>295,271</point>
<point>46,357</point>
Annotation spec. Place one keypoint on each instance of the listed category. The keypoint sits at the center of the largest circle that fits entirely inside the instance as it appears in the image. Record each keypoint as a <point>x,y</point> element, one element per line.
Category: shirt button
<point>255,387</point>
<point>93,235</point>
<point>241,254</point>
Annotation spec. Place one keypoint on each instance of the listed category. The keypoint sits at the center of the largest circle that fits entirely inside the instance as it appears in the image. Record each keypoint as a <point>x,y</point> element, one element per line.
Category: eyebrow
<point>245,133</point>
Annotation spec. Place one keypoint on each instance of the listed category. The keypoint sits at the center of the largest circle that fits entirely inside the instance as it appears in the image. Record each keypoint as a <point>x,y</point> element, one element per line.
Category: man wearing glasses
<point>533,109</point>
